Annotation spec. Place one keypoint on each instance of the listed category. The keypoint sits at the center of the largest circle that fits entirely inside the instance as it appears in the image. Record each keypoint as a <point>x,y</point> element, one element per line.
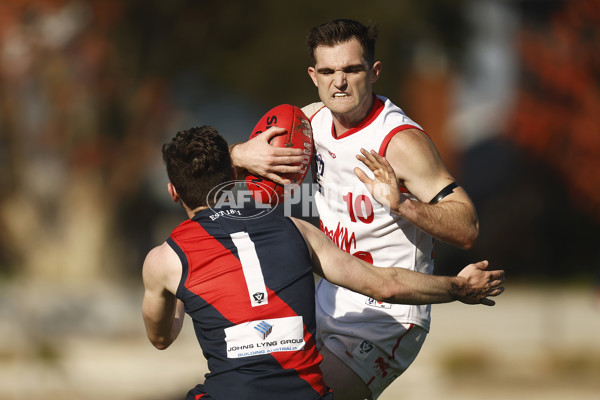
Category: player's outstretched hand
<point>477,284</point>
<point>259,158</point>
<point>384,187</point>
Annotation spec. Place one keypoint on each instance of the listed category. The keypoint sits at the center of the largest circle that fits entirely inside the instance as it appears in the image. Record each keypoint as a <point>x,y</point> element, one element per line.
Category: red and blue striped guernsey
<point>248,286</point>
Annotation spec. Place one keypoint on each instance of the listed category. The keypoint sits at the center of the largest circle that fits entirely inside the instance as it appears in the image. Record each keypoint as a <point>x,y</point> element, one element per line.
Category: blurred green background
<point>89,90</point>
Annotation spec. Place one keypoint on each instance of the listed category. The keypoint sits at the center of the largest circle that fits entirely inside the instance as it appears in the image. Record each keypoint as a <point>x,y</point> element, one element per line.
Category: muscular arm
<point>163,313</point>
<point>418,166</point>
<point>398,285</point>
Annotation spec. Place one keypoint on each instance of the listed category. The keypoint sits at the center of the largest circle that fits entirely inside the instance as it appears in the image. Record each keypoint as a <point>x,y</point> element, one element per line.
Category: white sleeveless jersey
<point>357,223</point>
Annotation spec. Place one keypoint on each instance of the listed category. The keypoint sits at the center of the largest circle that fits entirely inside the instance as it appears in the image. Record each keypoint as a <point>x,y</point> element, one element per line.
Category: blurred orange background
<point>89,90</point>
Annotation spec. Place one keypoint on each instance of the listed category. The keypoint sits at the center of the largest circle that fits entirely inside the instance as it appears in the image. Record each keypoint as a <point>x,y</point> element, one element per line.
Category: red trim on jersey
<point>371,380</point>
<point>373,114</point>
<point>398,342</point>
<point>386,142</point>
<point>210,266</point>
<point>388,138</point>
<point>198,396</point>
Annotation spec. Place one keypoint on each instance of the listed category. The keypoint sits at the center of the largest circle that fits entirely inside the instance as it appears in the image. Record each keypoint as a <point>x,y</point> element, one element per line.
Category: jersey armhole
<point>184,266</point>
<point>387,139</point>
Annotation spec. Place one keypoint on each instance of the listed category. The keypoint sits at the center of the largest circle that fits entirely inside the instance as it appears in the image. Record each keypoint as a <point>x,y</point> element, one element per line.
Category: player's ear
<point>172,192</point>
<point>313,75</point>
<point>375,71</point>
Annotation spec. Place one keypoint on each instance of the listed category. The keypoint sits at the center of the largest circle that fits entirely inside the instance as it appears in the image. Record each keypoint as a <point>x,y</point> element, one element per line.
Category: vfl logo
<point>364,347</point>
<point>319,164</point>
<point>362,350</point>
<point>263,330</point>
<point>377,304</point>
<point>259,297</point>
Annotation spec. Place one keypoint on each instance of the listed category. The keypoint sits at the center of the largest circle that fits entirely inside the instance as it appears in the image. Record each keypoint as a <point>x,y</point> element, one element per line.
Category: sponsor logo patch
<point>263,329</point>
<point>265,336</point>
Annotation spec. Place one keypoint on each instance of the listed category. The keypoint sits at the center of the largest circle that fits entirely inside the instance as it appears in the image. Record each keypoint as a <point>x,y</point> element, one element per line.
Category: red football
<point>298,135</point>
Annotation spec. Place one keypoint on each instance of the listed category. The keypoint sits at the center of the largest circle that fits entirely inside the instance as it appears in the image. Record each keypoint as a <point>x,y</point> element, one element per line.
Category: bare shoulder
<point>409,141</point>
<point>312,108</point>
<point>162,267</point>
<point>417,163</point>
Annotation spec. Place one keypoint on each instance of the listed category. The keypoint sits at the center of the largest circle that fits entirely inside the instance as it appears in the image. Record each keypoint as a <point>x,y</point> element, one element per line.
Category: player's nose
<point>339,79</point>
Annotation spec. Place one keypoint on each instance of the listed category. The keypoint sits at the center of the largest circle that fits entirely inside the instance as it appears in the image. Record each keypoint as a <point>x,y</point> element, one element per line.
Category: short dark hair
<point>342,31</point>
<point>197,161</point>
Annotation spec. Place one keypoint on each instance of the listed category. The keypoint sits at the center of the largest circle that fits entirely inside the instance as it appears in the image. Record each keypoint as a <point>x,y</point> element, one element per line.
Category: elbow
<point>389,293</point>
<point>161,346</point>
<point>469,238</point>
<point>468,243</point>
<point>161,343</point>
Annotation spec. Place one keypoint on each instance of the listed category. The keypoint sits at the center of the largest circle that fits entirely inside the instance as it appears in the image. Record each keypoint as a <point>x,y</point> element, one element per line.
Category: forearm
<point>392,285</point>
<point>452,222</point>
<point>403,286</point>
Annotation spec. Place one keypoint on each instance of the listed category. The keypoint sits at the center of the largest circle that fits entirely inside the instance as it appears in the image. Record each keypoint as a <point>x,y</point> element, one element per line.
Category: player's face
<point>344,80</point>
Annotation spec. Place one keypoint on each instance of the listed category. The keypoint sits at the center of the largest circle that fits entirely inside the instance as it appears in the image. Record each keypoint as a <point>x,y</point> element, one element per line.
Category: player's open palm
<point>384,185</point>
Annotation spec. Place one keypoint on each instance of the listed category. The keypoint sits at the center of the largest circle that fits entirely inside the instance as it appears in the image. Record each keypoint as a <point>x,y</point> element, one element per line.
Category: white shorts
<point>378,353</point>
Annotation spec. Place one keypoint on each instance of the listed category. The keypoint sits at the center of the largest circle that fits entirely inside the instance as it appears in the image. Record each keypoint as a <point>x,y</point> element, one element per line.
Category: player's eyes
<point>354,70</point>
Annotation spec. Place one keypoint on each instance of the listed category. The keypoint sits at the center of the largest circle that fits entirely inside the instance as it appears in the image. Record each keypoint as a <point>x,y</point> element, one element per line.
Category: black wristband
<point>443,193</point>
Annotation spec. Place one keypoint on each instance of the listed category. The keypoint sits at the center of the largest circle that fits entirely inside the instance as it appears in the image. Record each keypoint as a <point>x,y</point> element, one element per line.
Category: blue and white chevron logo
<point>263,329</point>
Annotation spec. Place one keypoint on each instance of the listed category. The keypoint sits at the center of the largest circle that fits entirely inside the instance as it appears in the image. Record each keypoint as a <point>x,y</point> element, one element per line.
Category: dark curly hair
<point>197,160</point>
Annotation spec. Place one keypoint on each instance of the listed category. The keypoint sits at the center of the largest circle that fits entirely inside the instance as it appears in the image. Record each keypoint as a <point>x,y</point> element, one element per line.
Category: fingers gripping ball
<point>298,135</point>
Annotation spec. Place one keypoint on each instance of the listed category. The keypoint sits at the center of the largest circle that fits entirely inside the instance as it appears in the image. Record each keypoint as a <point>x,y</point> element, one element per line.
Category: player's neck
<point>191,213</point>
<point>342,123</point>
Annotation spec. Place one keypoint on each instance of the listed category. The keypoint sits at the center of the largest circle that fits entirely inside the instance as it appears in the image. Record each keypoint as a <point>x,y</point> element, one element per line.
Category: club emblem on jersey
<point>381,367</point>
<point>363,349</point>
<point>263,329</point>
<point>377,304</point>
<point>319,164</point>
<point>259,297</point>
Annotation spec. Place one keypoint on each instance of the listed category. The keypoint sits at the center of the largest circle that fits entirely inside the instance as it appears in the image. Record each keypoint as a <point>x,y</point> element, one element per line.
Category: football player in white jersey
<point>367,344</point>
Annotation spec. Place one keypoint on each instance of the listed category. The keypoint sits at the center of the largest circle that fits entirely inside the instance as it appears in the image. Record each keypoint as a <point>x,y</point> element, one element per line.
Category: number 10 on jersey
<point>359,207</point>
